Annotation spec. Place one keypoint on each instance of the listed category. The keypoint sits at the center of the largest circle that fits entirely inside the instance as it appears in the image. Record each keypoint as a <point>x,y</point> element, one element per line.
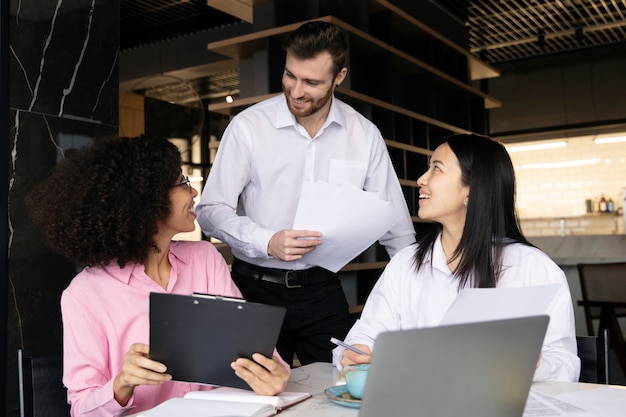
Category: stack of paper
<point>349,219</point>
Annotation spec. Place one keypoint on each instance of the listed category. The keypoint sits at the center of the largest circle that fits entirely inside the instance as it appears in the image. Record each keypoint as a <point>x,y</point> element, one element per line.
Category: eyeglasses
<point>184,182</point>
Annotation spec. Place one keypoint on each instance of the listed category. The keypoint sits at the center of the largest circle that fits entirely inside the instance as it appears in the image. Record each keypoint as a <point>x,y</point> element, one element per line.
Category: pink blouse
<point>105,311</point>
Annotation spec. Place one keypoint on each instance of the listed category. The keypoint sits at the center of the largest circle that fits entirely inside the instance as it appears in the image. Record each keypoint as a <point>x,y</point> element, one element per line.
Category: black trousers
<point>316,311</point>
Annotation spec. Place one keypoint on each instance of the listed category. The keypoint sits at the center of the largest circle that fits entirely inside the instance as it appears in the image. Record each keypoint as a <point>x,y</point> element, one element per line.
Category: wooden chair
<point>603,288</point>
<point>41,390</point>
<point>594,358</point>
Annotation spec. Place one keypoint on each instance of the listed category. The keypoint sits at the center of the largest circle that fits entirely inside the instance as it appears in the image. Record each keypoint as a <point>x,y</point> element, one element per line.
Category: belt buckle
<point>289,280</point>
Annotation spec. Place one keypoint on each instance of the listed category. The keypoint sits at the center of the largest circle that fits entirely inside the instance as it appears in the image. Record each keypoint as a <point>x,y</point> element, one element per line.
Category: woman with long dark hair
<point>474,241</point>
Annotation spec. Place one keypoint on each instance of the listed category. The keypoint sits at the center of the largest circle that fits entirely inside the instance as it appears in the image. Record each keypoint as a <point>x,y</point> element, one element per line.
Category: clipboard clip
<point>219,297</point>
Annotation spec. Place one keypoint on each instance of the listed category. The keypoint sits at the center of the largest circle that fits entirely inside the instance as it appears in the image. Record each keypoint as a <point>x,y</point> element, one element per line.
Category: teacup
<point>356,377</point>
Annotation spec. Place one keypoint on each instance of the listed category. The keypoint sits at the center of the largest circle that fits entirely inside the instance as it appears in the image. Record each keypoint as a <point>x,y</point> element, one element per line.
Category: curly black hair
<point>103,201</point>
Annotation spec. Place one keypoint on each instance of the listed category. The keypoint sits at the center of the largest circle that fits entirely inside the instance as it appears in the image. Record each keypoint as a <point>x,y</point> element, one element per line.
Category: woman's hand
<point>138,369</point>
<point>264,375</point>
<point>349,357</point>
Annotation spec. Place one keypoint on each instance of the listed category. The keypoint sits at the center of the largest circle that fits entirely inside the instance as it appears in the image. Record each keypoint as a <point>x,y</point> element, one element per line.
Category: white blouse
<point>404,299</point>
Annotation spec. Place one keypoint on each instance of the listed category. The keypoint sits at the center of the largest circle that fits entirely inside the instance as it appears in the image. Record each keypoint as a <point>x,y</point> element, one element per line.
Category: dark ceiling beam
<point>185,58</point>
<point>573,33</point>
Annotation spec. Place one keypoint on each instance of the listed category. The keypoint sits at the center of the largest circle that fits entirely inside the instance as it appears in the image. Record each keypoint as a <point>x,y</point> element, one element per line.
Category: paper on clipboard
<point>349,219</point>
<point>485,304</point>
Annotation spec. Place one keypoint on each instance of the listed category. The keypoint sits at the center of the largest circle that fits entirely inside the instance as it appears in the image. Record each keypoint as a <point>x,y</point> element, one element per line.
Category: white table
<point>315,378</point>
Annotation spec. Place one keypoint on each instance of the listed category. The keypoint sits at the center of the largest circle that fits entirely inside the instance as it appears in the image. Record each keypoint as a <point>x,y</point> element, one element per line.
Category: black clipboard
<point>198,336</point>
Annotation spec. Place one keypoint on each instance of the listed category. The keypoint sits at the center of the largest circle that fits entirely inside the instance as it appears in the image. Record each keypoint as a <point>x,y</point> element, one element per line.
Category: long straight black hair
<point>491,222</point>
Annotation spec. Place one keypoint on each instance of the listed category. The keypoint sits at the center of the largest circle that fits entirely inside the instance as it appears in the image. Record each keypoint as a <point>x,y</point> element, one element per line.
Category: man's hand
<point>291,245</point>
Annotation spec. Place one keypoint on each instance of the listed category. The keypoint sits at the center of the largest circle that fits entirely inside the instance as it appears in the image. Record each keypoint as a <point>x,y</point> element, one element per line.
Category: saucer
<point>339,395</point>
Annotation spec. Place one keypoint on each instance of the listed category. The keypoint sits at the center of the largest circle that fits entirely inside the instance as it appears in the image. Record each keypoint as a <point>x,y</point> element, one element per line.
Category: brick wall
<point>554,184</point>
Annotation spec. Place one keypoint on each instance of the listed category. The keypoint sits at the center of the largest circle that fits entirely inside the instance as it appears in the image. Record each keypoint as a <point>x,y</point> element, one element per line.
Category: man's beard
<point>312,106</point>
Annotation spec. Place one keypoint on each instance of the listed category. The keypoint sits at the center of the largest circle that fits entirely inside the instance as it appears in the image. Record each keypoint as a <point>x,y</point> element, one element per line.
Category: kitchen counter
<point>575,249</point>
<point>587,224</point>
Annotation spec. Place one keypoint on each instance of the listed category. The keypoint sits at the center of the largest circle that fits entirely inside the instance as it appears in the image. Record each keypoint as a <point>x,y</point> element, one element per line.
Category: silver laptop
<point>480,369</point>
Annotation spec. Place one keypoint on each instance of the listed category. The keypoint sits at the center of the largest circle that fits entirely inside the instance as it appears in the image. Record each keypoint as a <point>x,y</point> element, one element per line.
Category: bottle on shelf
<point>610,206</point>
<point>602,207</point>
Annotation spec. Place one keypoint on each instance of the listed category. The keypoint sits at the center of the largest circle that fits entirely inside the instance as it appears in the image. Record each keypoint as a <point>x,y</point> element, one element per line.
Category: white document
<point>350,221</point>
<point>543,405</point>
<point>603,401</point>
<point>486,304</point>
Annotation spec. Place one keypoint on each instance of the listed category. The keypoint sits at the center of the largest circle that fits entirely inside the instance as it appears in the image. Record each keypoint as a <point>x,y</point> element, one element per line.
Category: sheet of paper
<point>350,221</point>
<point>602,401</point>
<point>484,304</point>
<point>543,405</point>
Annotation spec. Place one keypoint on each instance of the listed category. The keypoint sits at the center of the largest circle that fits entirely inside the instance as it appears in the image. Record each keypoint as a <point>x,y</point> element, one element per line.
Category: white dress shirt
<point>404,299</point>
<point>265,156</point>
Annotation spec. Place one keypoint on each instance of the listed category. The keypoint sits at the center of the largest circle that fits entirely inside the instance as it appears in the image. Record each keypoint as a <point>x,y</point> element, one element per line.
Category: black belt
<point>288,278</point>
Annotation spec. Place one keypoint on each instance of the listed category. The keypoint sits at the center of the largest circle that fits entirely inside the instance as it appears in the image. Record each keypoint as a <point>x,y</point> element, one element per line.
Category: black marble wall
<point>63,92</point>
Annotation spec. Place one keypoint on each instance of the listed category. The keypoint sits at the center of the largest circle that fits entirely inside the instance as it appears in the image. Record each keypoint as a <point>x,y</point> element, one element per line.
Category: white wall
<point>556,182</point>
<point>562,97</point>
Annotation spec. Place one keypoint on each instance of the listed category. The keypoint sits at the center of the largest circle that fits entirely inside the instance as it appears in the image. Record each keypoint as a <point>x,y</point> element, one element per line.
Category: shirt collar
<point>137,269</point>
<point>284,118</point>
<point>121,274</point>
<point>438,256</point>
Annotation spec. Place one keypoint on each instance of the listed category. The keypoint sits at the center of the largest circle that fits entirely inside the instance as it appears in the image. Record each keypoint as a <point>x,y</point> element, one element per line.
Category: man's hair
<point>315,37</point>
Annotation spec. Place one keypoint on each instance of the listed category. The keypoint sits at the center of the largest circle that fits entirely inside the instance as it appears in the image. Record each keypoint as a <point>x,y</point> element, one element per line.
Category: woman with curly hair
<point>474,241</point>
<point>115,206</point>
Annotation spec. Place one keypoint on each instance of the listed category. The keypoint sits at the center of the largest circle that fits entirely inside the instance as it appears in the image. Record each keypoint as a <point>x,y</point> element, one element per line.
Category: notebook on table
<point>225,401</point>
<point>482,369</point>
<point>198,336</point>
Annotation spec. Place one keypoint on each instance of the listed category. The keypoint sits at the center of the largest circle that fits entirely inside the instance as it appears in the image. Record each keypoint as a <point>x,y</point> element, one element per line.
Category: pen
<point>347,346</point>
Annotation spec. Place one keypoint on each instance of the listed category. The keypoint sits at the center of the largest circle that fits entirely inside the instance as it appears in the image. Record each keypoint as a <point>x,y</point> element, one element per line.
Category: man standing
<point>266,154</point>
